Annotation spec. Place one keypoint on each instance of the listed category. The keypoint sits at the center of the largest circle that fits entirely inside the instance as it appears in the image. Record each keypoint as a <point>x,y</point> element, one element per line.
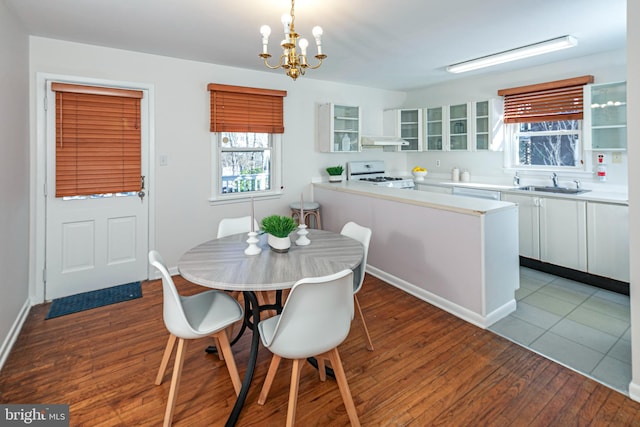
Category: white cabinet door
<point>338,128</point>
<point>528,224</point>
<point>606,117</point>
<point>563,233</point>
<point>608,240</point>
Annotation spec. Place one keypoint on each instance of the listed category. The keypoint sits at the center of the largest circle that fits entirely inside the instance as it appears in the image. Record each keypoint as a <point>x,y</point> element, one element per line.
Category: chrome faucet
<point>516,179</point>
<point>554,179</point>
<point>578,184</point>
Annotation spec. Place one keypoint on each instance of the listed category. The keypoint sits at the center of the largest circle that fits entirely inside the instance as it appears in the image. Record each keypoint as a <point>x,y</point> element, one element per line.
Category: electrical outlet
<point>616,157</point>
<point>437,163</point>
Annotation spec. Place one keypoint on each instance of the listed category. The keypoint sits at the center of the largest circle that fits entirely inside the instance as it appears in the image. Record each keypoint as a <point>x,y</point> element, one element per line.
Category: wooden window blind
<point>97,140</point>
<point>246,109</point>
<point>552,101</point>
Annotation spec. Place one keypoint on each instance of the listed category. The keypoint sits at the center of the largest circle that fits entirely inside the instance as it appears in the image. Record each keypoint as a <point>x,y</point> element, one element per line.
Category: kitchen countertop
<point>465,205</point>
<point>594,195</point>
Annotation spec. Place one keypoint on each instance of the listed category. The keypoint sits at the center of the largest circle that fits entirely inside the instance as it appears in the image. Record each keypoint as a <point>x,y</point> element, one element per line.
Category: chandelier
<point>294,63</point>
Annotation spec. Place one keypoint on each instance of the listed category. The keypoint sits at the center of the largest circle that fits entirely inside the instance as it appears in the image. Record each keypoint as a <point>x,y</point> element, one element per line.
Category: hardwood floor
<point>428,368</point>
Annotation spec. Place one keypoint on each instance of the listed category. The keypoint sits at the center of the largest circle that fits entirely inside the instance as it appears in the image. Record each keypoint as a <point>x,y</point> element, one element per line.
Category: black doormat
<point>88,300</point>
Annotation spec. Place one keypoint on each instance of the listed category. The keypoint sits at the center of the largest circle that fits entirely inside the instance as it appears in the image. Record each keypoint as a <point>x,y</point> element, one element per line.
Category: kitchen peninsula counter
<point>458,253</point>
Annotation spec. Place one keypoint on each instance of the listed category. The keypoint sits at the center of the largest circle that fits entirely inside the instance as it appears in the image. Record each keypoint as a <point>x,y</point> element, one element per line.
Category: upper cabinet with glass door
<point>338,128</point>
<point>481,113</point>
<point>447,127</point>
<point>411,129</point>
<point>471,126</point>
<point>605,115</point>
<point>434,129</point>
<point>459,127</point>
<point>406,124</point>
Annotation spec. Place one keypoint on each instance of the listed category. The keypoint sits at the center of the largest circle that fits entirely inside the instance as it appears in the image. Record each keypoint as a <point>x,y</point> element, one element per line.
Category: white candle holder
<point>253,248</point>
<point>303,240</point>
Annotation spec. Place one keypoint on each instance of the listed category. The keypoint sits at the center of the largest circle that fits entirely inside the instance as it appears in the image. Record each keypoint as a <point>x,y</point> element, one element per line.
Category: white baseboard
<point>465,314</point>
<point>12,336</point>
<point>634,391</point>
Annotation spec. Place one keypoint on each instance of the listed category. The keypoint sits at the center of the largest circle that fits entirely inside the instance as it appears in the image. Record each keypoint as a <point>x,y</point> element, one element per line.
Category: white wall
<point>633,110</point>
<point>14,177</point>
<point>605,67</point>
<point>184,216</point>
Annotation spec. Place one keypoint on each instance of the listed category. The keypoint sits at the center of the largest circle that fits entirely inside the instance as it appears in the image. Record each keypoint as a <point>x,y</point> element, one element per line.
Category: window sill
<point>243,197</point>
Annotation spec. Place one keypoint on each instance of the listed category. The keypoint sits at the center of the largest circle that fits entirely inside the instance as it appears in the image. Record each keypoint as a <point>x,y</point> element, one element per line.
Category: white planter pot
<point>335,178</point>
<point>279,244</point>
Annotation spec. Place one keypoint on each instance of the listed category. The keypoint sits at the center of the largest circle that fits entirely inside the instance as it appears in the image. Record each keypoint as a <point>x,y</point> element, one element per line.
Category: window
<point>98,140</point>
<point>248,126</point>
<point>245,162</point>
<point>544,124</point>
<point>553,143</point>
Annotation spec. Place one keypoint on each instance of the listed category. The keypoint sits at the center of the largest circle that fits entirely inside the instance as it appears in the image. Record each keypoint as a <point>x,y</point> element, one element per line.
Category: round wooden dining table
<point>222,264</point>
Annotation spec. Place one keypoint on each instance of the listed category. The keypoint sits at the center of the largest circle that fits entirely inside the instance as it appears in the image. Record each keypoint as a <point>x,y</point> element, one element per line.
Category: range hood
<point>373,141</point>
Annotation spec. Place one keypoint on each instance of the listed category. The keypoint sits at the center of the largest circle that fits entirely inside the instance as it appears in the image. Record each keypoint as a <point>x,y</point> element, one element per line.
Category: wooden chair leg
<point>225,348</point>
<point>271,374</point>
<point>216,342</point>
<point>343,385</point>
<point>293,391</point>
<point>175,382</point>
<point>364,324</point>
<point>322,368</point>
<point>165,358</point>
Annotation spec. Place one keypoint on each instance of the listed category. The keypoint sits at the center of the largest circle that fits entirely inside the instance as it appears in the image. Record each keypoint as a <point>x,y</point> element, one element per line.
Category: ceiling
<point>385,44</point>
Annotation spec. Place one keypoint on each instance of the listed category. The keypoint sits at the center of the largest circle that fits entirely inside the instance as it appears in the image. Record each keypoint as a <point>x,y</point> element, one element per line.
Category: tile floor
<point>579,326</point>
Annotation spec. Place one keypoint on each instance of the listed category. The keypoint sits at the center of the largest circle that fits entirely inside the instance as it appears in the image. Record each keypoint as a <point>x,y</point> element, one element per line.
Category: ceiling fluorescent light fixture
<point>514,54</point>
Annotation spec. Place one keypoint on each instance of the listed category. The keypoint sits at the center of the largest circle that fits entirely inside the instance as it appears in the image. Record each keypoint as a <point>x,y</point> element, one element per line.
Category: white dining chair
<point>315,319</point>
<point>229,226</point>
<point>362,235</point>
<point>190,317</point>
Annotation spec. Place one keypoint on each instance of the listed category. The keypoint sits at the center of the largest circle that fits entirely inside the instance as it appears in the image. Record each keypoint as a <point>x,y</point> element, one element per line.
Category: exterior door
<point>98,241</point>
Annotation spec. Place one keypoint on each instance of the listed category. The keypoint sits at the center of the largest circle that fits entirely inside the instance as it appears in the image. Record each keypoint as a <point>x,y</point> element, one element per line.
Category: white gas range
<point>372,172</point>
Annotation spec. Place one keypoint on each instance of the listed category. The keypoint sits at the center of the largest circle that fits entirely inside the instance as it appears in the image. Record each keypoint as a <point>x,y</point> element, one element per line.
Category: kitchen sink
<point>550,189</point>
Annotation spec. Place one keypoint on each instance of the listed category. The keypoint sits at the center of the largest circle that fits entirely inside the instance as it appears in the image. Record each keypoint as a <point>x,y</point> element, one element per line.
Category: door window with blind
<point>247,126</point>
<point>544,124</point>
<point>98,141</point>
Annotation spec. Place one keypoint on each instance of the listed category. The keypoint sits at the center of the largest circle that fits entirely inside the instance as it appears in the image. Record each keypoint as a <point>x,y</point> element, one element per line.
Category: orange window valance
<point>552,101</point>
<point>246,109</point>
<point>97,140</point>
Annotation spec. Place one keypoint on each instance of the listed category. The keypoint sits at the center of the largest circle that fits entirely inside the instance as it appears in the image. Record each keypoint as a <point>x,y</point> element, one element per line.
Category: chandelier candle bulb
<point>265,30</point>
<point>304,44</point>
<point>317,34</point>
<point>286,23</point>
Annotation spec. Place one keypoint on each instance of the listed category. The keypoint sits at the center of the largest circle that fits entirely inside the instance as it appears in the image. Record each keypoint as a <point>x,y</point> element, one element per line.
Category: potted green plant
<point>278,229</point>
<point>335,173</point>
